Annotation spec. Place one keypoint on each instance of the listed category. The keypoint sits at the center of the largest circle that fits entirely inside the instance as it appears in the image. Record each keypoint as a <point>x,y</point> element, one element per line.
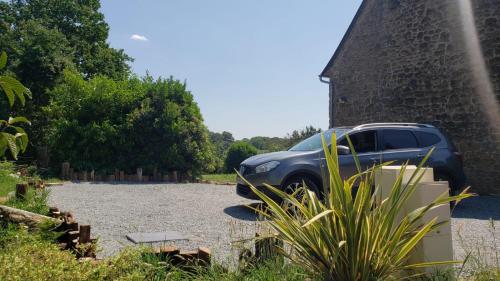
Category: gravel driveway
<point>209,215</point>
<point>213,215</point>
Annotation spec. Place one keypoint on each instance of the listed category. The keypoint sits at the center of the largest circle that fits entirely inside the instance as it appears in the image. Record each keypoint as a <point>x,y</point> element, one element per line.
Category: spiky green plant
<point>346,237</point>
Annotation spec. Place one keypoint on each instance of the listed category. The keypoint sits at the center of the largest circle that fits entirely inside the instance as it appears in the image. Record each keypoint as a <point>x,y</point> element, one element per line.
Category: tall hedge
<point>103,124</point>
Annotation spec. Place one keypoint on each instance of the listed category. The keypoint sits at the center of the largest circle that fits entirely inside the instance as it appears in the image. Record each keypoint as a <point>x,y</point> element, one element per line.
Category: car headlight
<point>266,167</point>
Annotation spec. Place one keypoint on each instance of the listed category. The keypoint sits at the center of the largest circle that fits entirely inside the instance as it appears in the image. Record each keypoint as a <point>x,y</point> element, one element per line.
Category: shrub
<point>237,153</point>
<point>104,124</point>
<point>350,238</point>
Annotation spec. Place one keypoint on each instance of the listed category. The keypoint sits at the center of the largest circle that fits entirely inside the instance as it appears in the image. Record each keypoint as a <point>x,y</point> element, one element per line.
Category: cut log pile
<point>74,237</point>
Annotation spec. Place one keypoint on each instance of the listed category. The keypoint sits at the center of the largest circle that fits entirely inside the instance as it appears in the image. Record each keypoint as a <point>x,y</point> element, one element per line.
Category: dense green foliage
<point>8,179</point>
<point>45,37</point>
<point>346,237</point>
<point>104,124</point>
<point>237,153</point>
<point>221,142</point>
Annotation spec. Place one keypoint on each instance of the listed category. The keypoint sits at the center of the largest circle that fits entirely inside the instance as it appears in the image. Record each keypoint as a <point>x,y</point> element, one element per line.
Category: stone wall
<point>407,61</point>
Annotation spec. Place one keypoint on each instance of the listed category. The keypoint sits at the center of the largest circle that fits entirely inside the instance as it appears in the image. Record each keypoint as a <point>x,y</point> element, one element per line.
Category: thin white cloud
<point>137,37</point>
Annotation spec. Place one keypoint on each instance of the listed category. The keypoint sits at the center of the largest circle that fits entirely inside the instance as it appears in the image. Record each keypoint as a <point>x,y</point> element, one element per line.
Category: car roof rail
<point>369,125</point>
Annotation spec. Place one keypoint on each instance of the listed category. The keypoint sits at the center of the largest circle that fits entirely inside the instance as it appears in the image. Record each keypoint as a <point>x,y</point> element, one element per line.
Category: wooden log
<point>21,190</point>
<point>84,234</point>
<point>20,216</point>
<point>204,255</point>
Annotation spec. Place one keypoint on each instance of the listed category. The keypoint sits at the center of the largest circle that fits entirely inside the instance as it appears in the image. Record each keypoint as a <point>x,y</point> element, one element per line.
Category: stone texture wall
<point>407,61</point>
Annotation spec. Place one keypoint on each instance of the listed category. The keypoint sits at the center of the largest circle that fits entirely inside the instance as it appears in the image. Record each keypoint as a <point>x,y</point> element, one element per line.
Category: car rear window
<point>427,139</point>
<point>398,139</point>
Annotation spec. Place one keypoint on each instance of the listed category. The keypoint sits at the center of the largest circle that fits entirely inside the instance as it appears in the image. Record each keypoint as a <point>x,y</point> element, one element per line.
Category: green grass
<point>35,202</point>
<point>7,182</point>
<point>31,256</point>
<point>220,177</point>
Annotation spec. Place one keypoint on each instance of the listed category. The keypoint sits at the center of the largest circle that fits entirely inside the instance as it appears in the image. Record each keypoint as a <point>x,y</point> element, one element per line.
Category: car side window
<point>363,142</point>
<point>427,139</point>
<point>398,139</point>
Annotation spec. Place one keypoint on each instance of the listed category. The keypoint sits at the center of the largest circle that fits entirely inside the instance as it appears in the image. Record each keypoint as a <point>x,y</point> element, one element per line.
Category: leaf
<point>20,119</point>
<point>11,144</point>
<point>3,60</point>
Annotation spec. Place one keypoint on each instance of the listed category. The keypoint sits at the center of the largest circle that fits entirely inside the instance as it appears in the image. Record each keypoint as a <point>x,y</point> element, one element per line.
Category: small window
<point>362,142</point>
<point>399,139</point>
<point>427,139</point>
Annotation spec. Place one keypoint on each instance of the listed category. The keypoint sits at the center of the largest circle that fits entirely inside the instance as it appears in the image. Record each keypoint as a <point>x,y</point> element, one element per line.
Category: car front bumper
<point>246,192</point>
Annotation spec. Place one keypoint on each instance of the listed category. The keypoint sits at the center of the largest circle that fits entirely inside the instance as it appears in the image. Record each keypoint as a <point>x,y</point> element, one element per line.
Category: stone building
<point>428,61</point>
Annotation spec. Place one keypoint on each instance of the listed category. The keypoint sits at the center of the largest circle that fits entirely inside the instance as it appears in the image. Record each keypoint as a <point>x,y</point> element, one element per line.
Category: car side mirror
<point>343,150</point>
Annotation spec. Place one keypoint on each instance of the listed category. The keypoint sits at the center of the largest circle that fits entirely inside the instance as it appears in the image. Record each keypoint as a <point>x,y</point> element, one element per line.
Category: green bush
<point>342,237</point>
<point>237,153</point>
<point>103,124</point>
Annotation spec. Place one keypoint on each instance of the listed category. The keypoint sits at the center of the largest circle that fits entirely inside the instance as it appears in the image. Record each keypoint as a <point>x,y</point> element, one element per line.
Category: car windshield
<point>314,142</point>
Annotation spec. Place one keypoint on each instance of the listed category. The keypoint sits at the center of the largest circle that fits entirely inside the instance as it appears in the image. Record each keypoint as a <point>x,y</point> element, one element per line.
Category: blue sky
<point>252,66</point>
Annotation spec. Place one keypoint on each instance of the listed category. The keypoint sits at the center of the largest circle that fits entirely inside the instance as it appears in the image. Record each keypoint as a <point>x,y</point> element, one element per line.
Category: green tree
<point>45,37</point>
<point>237,153</point>
<point>221,142</point>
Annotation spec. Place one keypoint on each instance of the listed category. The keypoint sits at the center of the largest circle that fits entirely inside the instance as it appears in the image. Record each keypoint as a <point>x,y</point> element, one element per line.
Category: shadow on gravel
<point>243,212</point>
<point>480,207</point>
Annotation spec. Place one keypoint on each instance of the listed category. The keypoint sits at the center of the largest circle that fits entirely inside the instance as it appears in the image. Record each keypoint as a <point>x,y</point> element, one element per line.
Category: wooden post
<point>122,176</point>
<point>92,175</point>
<point>84,234</point>
<point>173,176</point>
<point>139,174</point>
<point>21,190</point>
<point>65,171</point>
<point>84,176</point>
<point>155,174</point>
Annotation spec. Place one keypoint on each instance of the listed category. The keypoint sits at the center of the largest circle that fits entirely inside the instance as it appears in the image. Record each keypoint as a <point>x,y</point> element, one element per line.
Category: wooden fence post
<point>139,174</point>
<point>65,170</point>
<point>21,190</point>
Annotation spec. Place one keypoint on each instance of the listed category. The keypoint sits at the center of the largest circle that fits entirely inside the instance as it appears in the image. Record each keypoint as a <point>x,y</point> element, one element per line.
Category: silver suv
<point>374,143</point>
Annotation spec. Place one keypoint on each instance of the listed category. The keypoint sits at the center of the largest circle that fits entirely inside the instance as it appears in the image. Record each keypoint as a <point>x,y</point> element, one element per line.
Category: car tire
<point>453,190</point>
<point>295,182</point>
